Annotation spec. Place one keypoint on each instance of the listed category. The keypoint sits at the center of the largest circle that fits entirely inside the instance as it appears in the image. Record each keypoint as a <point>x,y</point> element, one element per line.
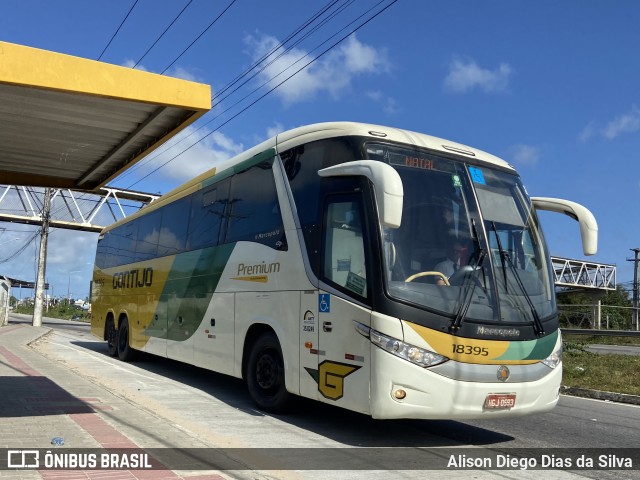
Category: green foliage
<point>574,348</point>
<point>609,373</point>
<point>616,298</point>
<point>576,309</point>
<point>64,310</point>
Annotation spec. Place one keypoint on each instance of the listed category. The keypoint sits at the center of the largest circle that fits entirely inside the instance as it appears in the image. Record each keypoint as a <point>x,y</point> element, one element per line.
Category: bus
<point>313,265</point>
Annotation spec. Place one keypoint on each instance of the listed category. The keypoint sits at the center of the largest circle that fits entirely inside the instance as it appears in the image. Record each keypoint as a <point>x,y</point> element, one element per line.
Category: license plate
<point>500,401</point>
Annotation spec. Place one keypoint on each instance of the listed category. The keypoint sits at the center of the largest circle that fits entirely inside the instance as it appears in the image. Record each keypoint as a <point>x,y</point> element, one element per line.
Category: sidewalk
<point>41,400</point>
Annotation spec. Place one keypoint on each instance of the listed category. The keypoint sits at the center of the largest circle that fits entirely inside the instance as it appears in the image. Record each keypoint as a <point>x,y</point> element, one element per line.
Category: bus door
<point>343,353</point>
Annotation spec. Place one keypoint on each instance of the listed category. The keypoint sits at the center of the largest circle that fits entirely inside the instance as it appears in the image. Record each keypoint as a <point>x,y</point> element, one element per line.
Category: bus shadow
<point>344,426</point>
<point>35,396</point>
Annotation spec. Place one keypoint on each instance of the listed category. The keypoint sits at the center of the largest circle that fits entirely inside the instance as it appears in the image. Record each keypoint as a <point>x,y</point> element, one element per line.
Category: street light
<point>69,278</point>
<point>69,285</point>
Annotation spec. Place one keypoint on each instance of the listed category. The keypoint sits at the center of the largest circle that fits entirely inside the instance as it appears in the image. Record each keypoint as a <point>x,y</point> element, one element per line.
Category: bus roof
<point>319,131</point>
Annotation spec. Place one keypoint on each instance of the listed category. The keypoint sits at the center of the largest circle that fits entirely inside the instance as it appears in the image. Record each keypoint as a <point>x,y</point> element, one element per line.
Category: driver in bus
<point>451,264</point>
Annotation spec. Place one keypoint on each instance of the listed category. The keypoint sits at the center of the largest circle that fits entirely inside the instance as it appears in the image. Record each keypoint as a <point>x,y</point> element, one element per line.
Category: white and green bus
<point>315,265</point>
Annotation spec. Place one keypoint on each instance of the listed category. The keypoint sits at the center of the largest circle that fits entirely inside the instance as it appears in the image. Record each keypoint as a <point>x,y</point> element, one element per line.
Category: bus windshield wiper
<point>506,258</point>
<point>466,291</point>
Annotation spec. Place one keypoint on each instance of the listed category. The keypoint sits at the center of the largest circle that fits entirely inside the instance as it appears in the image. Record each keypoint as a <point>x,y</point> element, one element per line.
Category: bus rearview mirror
<point>588,224</point>
<point>386,182</point>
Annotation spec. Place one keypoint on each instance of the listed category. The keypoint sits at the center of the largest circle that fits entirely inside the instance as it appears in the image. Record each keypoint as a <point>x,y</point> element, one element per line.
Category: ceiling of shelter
<point>68,122</point>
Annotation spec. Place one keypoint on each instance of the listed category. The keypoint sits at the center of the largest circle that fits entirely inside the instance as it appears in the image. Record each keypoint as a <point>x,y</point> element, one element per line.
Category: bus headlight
<point>553,360</point>
<point>411,353</point>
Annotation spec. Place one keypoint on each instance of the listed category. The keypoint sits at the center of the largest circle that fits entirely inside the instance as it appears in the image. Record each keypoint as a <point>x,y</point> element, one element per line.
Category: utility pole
<point>634,318</point>
<point>42,259</point>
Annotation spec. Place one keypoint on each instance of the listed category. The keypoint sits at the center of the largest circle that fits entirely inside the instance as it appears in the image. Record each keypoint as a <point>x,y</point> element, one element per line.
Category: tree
<point>576,308</point>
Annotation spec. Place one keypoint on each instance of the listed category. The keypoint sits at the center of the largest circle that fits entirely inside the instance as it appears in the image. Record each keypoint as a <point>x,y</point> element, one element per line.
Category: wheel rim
<point>267,371</point>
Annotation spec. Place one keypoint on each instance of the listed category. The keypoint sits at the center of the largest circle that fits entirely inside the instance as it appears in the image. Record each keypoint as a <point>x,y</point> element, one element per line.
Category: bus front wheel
<point>125,352</point>
<point>265,375</point>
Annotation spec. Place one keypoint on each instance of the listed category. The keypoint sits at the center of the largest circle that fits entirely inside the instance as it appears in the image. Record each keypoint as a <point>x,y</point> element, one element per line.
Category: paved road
<point>186,406</point>
<point>615,349</point>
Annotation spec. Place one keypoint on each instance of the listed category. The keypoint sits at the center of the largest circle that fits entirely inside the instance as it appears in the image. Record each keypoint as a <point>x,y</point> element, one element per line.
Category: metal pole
<point>42,259</point>
<point>634,318</point>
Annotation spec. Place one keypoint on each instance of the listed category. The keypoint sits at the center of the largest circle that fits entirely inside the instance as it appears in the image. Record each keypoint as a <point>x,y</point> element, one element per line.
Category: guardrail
<point>600,333</point>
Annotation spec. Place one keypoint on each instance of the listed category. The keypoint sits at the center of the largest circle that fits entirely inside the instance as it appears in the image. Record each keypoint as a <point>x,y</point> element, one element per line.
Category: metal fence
<point>596,317</point>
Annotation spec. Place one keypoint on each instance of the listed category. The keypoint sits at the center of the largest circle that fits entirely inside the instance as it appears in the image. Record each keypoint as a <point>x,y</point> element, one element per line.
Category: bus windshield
<point>469,241</point>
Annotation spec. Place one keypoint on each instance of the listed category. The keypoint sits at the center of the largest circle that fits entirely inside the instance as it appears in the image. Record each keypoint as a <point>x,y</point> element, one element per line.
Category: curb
<point>571,391</point>
<point>600,395</point>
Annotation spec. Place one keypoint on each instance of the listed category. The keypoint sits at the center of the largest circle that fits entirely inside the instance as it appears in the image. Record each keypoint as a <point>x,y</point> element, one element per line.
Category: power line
<point>303,57</point>
<point>118,29</point>
<point>288,49</point>
<point>292,35</point>
<point>269,91</point>
<point>146,161</point>
<point>163,33</point>
<point>277,47</point>
<point>21,249</point>
<point>198,37</point>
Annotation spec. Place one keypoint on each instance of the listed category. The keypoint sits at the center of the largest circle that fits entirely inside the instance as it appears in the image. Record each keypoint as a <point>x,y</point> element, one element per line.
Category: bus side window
<point>147,244</point>
<point>123,244</point>
<point>254,211</point>
<point>207,213</point>
<point>343,248</point>
<point>172,236</point>
<point>102,251</point>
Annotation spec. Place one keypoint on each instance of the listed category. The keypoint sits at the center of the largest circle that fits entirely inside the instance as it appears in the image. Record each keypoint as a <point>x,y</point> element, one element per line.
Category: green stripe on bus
<point>544,347</point>
<point>531,349</point>
<point>187,293</point>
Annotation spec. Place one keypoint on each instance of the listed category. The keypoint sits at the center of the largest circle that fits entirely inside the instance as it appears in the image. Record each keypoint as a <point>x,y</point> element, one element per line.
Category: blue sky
<point>552,87</point>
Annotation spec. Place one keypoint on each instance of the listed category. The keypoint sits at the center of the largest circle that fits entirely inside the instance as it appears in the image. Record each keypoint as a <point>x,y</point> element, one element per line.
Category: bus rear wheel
<point>265,375</point>
<point>111,334</point>
<point>125,352</point>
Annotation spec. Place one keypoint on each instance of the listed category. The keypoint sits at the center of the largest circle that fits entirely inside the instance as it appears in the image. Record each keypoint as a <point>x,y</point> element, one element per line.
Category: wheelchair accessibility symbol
<point>324,303</point>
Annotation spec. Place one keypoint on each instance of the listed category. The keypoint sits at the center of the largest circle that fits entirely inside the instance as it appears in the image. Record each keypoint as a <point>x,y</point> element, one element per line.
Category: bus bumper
<point>429,395</point>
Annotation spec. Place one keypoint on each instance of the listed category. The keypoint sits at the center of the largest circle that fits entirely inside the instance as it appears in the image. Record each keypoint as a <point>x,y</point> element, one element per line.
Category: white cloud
<point>71,251</point>
<point>626,123</point>
<point>527,155</point>
<point>389,104</point>
<point>332,73</point>
<point>129,63</point>
<point>588,132</point>
<point>177,72</point>
<point>204,155</point>
<point>180,72</point>
<point>274,130</point>
<point>465,75</point>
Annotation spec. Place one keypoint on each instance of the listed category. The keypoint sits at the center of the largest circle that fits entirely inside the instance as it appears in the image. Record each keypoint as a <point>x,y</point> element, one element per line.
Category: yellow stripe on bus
<point>472,350</point>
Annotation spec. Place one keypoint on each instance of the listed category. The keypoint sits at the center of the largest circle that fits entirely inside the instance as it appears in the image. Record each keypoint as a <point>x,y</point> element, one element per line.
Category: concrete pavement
<point>41,400</point>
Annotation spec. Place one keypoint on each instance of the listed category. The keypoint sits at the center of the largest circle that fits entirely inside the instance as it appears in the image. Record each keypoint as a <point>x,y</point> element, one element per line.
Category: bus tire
<point>125,352</point>
<point>111,336</point>
<point>265,375</point>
